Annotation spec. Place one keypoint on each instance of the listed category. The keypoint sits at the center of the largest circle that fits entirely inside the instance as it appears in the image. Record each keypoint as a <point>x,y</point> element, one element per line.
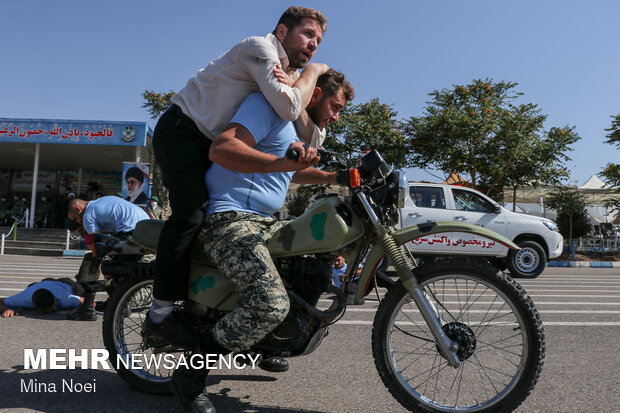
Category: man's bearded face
<point>134,187</point>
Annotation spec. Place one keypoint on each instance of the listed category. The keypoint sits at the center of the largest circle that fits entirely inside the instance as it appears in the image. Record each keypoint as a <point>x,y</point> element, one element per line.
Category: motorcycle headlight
<point>551,225</point>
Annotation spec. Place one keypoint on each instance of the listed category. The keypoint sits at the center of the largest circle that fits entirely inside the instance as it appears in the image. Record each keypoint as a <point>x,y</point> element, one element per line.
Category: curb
<point>73,253</point>
<point>588,264</point>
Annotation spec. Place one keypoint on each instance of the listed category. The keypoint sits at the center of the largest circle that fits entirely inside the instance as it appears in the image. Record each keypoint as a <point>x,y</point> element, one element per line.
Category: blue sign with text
<point>80,132</point>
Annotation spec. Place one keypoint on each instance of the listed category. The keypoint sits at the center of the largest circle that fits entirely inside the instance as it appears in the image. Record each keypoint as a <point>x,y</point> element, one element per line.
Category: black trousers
<point>182,153</point>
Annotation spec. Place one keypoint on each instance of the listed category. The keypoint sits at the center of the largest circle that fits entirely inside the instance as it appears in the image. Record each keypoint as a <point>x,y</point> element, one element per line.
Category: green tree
<point>157,103</point>
<point>571,208</point>
<point>478,131</point>
<point>302,197</point>
<point>611,173</point>
<point>373,123</point>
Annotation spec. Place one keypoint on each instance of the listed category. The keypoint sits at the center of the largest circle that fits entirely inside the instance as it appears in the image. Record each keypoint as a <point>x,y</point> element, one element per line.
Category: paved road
<point>580,308</point>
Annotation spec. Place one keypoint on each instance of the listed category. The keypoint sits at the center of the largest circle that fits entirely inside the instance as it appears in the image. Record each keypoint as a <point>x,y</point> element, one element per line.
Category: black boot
<point>189,384</point>
<point>86,311</point>
<point>172,330</point>
<point>274,364</point>
<point>189,387</point>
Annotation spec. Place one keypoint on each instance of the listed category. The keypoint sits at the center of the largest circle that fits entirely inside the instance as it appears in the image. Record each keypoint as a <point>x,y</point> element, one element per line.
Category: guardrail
<point>14,231</point>
<point>13,228</point>
<point>599,243</point>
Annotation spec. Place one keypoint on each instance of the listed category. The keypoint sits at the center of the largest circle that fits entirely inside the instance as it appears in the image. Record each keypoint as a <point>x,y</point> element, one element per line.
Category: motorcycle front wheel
<point>124,316</point>
<point>499,332</point>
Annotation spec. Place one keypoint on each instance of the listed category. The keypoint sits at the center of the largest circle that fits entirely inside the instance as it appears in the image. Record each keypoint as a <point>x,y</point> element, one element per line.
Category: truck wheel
<point>529,261</point>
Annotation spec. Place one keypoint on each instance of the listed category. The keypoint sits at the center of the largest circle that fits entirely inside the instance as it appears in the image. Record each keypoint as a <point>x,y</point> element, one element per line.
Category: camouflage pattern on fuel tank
<point>328,225</point>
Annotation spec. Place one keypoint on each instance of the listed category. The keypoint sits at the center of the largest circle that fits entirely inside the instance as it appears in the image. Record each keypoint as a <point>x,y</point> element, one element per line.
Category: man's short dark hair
<point>332,81</point>
<point>135,172</point>
<point>43,299</point>
<point>295,14</point>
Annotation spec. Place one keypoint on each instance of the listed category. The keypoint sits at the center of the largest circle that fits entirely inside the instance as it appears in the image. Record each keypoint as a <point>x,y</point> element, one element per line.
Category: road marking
<point>570,291</point>
<point>454,310</point>
<point>15,282</point>
<point>575,283</point>
<point>40,272</point>
<point>39,264</point>
<point>11,289</point>
<point>545,324</point>
<point>17,276</point>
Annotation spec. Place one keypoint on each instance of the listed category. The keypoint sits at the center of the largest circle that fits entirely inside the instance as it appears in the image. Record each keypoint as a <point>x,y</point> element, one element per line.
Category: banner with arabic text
<point>81,132</point>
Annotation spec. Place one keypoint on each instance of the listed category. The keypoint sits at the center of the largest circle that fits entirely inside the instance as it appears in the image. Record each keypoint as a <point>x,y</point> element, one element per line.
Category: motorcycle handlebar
<point>326,157</point>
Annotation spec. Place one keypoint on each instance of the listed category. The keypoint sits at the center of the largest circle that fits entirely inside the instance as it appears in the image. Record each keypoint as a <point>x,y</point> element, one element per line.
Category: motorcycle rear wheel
<point>499,331</point>
<point>125,313</point>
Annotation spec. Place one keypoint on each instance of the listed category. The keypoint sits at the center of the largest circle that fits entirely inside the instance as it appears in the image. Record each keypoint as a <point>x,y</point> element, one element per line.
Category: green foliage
<point>571,208</point>
<point>611,173</point>
<point>373,123</point>
<point>478,132</point>
<point>580,226</point>
<point>302,197</point>
<point>156,103</point>
<point>613,137</point>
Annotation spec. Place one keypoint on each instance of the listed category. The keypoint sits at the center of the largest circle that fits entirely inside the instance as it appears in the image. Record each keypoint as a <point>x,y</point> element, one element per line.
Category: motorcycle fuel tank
<point>327,225</point>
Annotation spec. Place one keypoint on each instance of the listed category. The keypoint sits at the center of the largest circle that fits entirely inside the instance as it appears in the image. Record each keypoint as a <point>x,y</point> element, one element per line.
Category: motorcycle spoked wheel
<point>499,331</point>
<point>125,313</point>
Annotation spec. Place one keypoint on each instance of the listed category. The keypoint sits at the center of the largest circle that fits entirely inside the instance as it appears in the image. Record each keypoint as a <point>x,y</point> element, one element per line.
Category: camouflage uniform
<point>237,242</point>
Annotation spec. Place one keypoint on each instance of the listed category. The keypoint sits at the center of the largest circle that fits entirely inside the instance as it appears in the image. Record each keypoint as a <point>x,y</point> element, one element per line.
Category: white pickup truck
<point>538,238</point>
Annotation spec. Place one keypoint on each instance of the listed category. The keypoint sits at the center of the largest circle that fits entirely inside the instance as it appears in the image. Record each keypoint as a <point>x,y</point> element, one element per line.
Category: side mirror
<point>403,189</point>
<point>497,209</point>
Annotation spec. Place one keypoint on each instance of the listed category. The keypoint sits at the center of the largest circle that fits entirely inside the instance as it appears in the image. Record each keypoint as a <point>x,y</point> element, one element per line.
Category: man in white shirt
<point>199,113</point>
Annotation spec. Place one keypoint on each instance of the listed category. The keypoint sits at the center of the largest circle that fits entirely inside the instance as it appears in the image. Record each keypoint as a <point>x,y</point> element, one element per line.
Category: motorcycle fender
<point>211,288</point>
<point>430,228</point>
<point>405,235</point>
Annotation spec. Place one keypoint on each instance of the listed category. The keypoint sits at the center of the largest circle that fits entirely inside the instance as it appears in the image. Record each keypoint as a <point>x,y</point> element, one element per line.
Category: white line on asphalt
<point>17,282</point>
<point>11,289</point>
<point>35,265</point>
<point>460,294</point>
<point>454,310</point>
<point>573,295</point>
<point>535,302</point>
<point>39,271</point>
<point>545,324</point>
<point>2,277</point>
<point>28,270</point>
<point>571,283</point>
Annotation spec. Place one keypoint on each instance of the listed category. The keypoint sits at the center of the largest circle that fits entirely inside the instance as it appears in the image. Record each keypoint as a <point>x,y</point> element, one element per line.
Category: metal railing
<point>14,231</point>
<point>13,228</point>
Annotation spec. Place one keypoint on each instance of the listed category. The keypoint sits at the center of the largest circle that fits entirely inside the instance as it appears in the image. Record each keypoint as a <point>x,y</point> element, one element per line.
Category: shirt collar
<point>281,52</point>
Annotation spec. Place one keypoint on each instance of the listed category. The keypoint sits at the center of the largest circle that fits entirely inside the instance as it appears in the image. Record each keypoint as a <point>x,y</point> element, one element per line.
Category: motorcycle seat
<point>147,233</point>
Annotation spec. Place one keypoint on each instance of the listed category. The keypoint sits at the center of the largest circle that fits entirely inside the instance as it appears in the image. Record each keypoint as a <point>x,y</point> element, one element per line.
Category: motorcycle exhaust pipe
<point>327,315</point>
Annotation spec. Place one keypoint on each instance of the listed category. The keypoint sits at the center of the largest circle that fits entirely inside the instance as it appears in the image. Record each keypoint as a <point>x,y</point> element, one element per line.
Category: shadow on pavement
<point>49,391</point>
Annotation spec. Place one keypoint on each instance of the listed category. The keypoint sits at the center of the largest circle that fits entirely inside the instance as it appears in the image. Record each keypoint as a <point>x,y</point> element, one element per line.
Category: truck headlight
<point>552,226</point>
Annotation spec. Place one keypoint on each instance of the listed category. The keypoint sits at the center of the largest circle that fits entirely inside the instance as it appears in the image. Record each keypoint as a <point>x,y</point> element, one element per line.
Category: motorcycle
<point>454,336</point>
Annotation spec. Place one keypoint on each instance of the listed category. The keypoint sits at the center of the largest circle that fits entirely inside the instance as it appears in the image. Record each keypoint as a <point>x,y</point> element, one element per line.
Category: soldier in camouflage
<point>247,184</point>
<point>236,241</point>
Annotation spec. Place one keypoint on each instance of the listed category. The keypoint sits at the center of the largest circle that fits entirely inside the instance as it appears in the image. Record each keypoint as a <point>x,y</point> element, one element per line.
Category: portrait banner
<point>135,185</point>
